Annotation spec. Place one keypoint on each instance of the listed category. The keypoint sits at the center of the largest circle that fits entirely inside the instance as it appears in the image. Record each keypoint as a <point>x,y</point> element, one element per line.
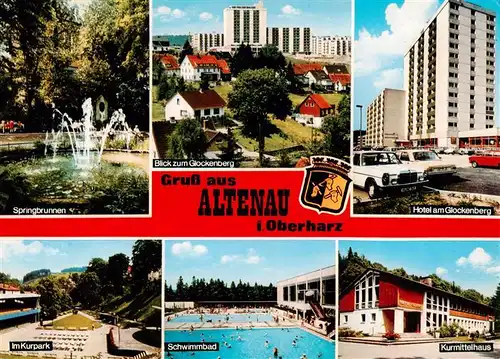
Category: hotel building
<point>245,24</point>
<point>204,42</point>
<point>331,45</point>
<point>378,302</point>
<point>449,75</point>
<point>290,40</point>
<point>385,119</point>
<point>320,283</point>
<point>16,307</point>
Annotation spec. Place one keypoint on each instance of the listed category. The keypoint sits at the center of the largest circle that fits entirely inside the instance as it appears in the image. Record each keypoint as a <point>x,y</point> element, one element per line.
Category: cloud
<point>205,16</point>
<point>493,270</point>
<point>391,78</point>
<point>186,249</point>
<point>250,258</point>
<point>19,248</point>
<point>167,14</point>
<point>440,271</point>
<point>289,10</point>
<point>477,258</point>
<point>373,51</point>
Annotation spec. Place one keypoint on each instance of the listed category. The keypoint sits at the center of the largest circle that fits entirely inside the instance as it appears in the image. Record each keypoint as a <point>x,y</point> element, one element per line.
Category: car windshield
<point>425,156</point>
<point>377,159</point>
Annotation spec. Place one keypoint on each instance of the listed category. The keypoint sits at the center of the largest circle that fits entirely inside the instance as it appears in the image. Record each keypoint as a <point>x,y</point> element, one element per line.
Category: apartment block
<point>204,42</point>
<point>331,45</point>
<point>245,24</point>
<point>385,119</point>
<point>449,75</point>
<point>290,40</point>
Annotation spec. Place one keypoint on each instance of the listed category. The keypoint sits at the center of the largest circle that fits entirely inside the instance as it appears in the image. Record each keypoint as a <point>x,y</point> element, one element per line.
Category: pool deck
<point>224,325</point>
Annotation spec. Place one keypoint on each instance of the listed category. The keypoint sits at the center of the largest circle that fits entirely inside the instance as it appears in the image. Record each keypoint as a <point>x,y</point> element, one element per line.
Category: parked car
<point>450,151</point>
<point>466,151</point>
<point>381,172</point>
<point>485,159</point>
<point>427,161</point>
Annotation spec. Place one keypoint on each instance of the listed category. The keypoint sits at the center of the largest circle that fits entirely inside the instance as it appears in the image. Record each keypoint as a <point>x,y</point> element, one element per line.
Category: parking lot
<point>467,180</point>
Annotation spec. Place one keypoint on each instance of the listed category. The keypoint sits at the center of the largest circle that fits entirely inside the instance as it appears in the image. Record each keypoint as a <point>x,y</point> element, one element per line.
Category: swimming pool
<point>252,345</point>
<point>233,318</point>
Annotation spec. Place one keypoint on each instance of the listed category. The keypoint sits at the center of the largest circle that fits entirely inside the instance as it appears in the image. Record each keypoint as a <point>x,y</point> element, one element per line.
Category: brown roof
<point>170,62</point>
<point>9,287</point>
<point>302,69</point>
<point>336,69</point>
<point>344,79</point>
<point>201,100</point>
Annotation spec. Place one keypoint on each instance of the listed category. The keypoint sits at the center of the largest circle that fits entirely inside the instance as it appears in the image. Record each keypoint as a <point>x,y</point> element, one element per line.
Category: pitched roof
<point>319,75</point>
<point>170,62</point>
<point>336,69</point>
<point>302,69</point>
<point>319,100</point>
<point>419,285</point>
<point>204,61</point>
<point>224,67</point>
<point>9,287</point>
<point>205,99</point>
<point>344,79</point>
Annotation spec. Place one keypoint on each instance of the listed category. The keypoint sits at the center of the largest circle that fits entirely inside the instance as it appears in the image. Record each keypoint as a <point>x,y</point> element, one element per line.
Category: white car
<point>427,161</point>
<point>381,172</point>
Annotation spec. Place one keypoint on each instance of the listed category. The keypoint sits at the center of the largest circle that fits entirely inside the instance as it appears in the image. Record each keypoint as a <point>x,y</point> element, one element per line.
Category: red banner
<point>242,204</point>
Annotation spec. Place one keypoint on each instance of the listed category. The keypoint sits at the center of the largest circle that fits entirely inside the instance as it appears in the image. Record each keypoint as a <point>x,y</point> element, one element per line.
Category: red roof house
<point>169,62</point>
<point>341,82</point>
<point>315,105</point>
<point>194,104</point>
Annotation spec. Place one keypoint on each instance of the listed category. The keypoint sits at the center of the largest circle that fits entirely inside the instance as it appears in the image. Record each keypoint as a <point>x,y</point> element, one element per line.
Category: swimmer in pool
<point>266,344</point>
<point>239,338</point>
<point>294,343</point>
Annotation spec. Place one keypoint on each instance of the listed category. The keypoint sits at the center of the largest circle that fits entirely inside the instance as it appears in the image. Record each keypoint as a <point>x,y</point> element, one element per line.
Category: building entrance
<point>412,322</point>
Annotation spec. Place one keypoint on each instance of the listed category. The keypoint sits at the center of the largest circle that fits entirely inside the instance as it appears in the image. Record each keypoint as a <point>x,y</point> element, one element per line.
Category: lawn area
<point>292,134</point>
<point>331,98</point>
<point>224,90</point>
<point>76,321</point>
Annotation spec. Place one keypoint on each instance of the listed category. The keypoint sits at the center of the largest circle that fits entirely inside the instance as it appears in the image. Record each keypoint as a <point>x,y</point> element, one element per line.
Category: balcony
<point>454,21</point>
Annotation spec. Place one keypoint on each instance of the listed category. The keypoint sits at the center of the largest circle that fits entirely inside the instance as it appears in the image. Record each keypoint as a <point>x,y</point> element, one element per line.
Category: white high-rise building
<point>245,24</point>
<point>203,42</point>
<point>385,119</point>
<point>449,75</point>
<point>331,45</point>
<point>290,40</point>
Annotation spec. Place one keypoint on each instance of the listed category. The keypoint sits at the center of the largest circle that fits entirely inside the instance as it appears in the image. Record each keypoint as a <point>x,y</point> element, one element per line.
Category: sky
<point>19,257</point>
<point>383,32</point>
<point>471,265</point>
<point>261,261</point>
<point>181,17</point>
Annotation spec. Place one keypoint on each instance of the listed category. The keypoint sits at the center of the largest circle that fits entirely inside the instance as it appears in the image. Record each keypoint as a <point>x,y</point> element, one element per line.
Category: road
<point>410,351</point>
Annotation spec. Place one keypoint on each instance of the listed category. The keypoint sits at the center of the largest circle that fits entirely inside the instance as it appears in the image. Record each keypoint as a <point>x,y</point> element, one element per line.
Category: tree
<point>272,58</point>
<point>7,279</point>
<point>205,83</point>
<point>89,289</point>
<point>257,94</point>
<point>187,49</point>
<point>146,258</point>
<point>99,267</point>
<point>495,303</point>
<point>188,140</point>
<point>158,70</point>
<point>116,271</point>
<point>53,299</point>
<point>230,150</point>
<point>40,273</point>
<point>242,60</point>
<point>292,79</point>
<point>336,130</point>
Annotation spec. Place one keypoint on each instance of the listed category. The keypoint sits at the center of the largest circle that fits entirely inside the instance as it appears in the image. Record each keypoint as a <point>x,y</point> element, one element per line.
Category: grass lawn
<point>292,134</point>
<point>76,321</point>
<point>224,90</point>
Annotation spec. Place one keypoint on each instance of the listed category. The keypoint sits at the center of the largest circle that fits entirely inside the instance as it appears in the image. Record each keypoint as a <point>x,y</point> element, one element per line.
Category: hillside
<point>353,264</point>
<point>136,307</point>
<point>35,281</point>
<point>175,40</point>
<point>74,270</point>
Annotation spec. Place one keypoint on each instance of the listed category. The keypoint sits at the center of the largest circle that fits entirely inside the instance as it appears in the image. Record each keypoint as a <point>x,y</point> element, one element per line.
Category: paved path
<point>411,351</point>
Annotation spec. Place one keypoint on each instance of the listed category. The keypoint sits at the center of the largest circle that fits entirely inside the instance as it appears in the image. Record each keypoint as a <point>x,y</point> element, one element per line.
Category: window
<point>206,112</point>
<point>404,156</point>
<point>356,159</point>
<point>178,101</point>
<point>374,317</point>
<point>363,318</point>
<point>216,111</point>
<point>346,318</point>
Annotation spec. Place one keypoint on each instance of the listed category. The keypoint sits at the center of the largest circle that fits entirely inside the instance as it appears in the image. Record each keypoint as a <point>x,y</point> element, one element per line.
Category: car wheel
<point>372,189</point>
<point>474,164</point>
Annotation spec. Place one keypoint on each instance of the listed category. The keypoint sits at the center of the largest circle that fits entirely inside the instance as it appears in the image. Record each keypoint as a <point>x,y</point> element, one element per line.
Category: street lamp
<point>360,122</point>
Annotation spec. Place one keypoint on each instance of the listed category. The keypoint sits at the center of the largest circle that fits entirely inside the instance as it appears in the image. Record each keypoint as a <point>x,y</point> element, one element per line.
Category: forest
<point>217,290</point>
<point>50,53</point>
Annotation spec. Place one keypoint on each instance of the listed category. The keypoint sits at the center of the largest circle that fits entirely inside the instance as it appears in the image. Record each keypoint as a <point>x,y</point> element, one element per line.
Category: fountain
<point>84,138</point>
